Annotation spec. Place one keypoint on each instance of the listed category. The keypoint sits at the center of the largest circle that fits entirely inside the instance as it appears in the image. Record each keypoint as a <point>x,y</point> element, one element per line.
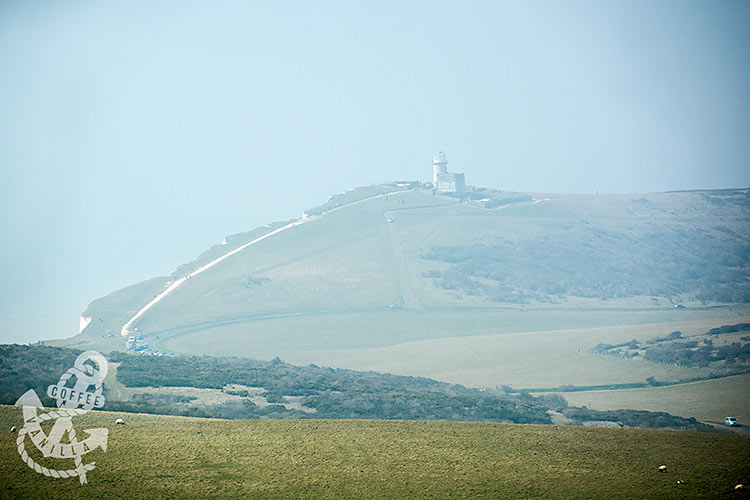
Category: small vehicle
<point>731,421</point>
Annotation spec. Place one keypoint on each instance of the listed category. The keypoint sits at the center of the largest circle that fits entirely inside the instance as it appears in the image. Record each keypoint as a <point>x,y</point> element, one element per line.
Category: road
<point>408,299</point>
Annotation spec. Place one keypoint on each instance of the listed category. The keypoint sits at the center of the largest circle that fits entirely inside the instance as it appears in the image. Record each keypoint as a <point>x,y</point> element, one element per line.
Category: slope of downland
<point>156,457</point>
<point>351,281</point>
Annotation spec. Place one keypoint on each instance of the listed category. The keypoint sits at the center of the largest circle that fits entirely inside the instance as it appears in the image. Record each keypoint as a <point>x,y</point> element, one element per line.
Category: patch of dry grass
<point>706,400</point>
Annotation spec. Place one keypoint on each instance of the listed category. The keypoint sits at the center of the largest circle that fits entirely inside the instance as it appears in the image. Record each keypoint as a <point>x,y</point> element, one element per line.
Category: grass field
<point>706,400</point>
<point>523,360</point>
<point>490,352</point>
<point>178,458</point>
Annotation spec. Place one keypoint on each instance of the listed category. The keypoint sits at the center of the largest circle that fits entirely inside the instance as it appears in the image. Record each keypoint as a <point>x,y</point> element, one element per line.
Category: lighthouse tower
<point>439,166</point>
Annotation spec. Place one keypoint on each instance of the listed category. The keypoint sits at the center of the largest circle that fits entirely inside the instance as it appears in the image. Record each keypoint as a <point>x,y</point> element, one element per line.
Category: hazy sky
<point>133,135</point>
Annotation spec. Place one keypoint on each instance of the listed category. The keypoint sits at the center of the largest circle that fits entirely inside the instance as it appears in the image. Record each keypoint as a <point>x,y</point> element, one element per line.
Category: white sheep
<point>740,487</point>
<point>13,429</point>
<point>662,468</point>
<point>119,421</point>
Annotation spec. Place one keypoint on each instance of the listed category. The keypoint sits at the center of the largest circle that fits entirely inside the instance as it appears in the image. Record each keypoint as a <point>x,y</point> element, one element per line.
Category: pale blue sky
<point>133,135</point>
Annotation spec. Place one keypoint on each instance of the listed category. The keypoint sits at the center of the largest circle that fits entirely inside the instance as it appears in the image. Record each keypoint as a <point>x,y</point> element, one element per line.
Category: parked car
<point>731,421</point>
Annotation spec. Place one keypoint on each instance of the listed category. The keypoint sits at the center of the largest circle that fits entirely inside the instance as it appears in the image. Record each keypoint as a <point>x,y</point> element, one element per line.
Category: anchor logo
<point>89,371</point>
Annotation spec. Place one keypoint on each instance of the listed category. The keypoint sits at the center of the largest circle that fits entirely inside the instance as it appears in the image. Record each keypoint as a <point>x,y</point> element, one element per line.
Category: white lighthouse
<point>439,166</point>
<point>444,182</point>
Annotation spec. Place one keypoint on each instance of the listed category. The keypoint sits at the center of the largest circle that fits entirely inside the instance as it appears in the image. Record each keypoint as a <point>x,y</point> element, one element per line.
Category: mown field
<point>492,356</point>
<point>176,457</point>
<point>706,400</point>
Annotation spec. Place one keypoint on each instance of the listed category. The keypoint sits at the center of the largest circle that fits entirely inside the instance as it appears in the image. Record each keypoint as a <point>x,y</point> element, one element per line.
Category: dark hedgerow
<point>333,393</point>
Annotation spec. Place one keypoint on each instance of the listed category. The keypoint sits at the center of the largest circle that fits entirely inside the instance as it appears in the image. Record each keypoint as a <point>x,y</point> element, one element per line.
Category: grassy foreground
<point>176,457</point>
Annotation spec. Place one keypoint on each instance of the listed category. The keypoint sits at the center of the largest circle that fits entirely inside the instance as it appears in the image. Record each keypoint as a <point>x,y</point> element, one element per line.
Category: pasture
<point>156,457</point>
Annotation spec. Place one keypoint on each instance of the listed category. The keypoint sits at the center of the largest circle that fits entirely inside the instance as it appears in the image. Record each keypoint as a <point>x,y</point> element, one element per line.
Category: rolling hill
<point>473,291</point>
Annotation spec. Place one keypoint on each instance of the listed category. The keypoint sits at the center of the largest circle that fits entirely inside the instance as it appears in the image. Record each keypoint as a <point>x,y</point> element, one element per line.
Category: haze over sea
<point>135,135</point>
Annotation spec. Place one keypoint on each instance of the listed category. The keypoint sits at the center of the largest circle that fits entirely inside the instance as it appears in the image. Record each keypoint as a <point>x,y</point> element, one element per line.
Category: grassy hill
<point>474,291</point>
<point>158,457</point>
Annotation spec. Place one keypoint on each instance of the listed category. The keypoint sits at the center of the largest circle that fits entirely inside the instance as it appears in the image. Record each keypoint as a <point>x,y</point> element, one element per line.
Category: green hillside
<point>474,291</point>
<point>158,457</point>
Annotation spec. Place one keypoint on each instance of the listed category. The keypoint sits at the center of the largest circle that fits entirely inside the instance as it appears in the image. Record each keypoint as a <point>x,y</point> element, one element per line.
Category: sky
<point>134,135</point>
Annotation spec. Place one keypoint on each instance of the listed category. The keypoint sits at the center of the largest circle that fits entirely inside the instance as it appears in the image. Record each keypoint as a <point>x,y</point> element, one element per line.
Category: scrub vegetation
<point>594,258</point>
<point>240,388</point>
<point>725,349</point>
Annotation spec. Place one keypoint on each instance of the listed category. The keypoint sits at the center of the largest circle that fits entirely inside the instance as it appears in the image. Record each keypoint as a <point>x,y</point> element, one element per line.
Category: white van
<point>731,421</point>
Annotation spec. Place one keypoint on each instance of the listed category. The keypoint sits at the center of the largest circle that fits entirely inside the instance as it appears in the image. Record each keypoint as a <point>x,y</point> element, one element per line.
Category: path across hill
<point>125,331</point>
